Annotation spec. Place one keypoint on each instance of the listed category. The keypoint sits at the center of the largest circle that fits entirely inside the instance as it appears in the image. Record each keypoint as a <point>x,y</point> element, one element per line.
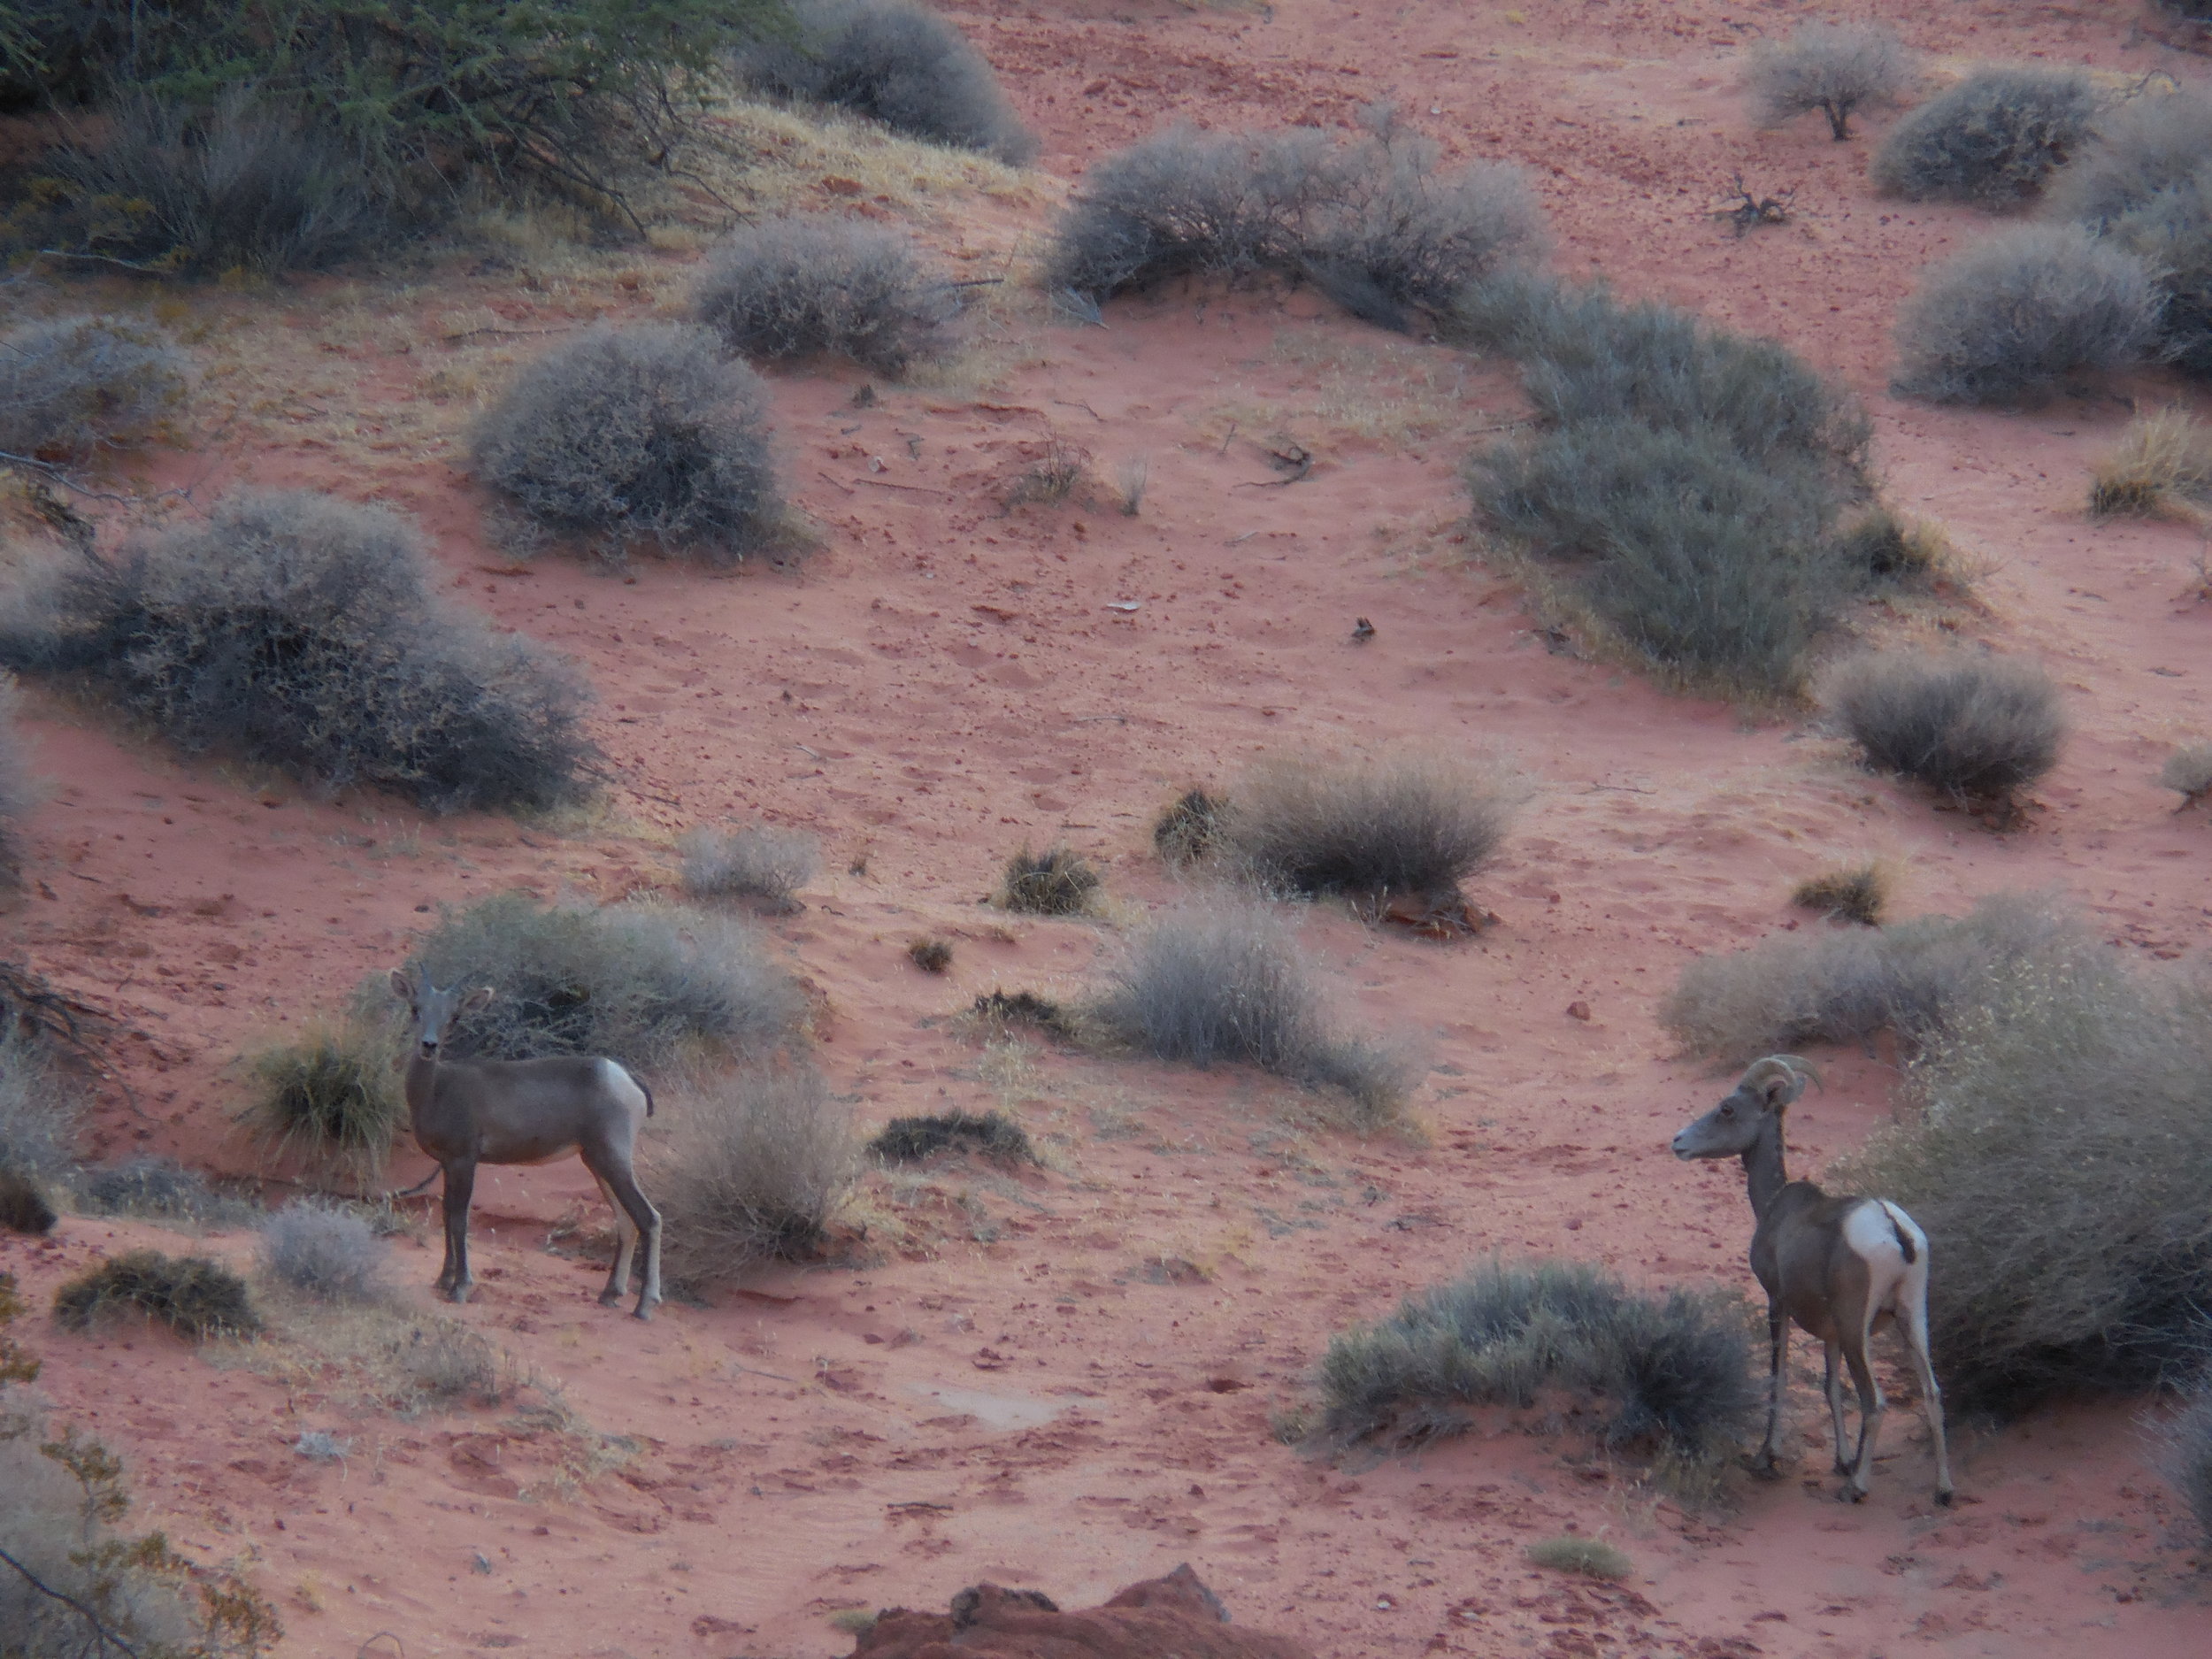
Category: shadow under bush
<point>2056,1164</point>
<point>637,982</point>
<point>1669,1373</point>
<point>72,386</point>
<point>306,632</point>
<point>750,1171</point>
<point>2010,317</point>
<point>896,63</point>
<point>1994,138</point>
<point>192,1295</point>
<point>639,432</point>
<point>792,288</point>
<point>1978,728</point>
<point>1228,984</point>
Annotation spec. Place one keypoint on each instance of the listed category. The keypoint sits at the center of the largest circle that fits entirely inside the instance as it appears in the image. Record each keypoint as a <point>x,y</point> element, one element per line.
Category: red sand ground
<point>1047,1398</point>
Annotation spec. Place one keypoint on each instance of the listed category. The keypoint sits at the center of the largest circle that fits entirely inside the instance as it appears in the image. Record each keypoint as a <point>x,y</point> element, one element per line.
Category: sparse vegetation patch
<point>1994,138</point>
<point>2163,461</point>
<point>194,1296</point>
<point>991,1134</point>
<point>1056,882</point>
<point>77,384</point>
<point>1835,68</point>
<point>1858,893</point>
<point>323,1251</point>
<point>754,862</point>
<point>1187,830</point>
<point>2188,772</point>
<point>1591,1558</point>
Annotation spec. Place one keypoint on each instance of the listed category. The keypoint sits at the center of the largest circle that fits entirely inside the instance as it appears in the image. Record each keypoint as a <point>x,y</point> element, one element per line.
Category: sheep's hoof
<point>645,1314</point>
<point>458,1292</point>
<point>611,1299</point>
<point>1842,1468</point>
<point>1945,1495</point>
<point>1853,1495</point>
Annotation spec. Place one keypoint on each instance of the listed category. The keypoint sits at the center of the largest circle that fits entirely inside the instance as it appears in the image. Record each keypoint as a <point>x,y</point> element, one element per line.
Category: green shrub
<point>1058,882</point>
<point>2005,319</point>
<point>193,1296</point>
<point>1834,68</point>
<point>1668,1373</point>
<point>992,1136</point>
<point>1978,728</point>
<point>899,63</point>
<point>794,288</point>
<point>1994,138</point>
<point>636,982</point>
<point>72,386</point>
<point>307,633</point>
<point>642,432</point>
<point>2056,1165</point>
<point>1400,825</point>
<point>751,1170</point>
<point>332,1095</point>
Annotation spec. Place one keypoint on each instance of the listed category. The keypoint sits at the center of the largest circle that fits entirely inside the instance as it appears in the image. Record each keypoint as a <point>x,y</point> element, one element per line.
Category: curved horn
<point>1793,1072</point>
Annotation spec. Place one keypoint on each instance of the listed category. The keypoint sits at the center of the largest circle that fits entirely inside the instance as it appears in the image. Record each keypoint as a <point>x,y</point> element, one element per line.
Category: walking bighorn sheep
<point>1838,1265</point>
<point>526,1111</point>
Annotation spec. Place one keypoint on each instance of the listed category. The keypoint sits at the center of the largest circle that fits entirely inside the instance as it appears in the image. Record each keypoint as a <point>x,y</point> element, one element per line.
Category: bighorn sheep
<point>526,1111</point>
<point>1838,1265</point>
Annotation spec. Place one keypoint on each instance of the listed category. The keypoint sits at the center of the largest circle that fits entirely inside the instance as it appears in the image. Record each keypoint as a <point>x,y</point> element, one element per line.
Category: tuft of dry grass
<point>1858,894</point>
<point>2186,1442</point>
<point>194,1296</point>
<point>992,1136</point>
<point>1052,477</point>
<point>331,1096</point>
<point>1186,831</point>
<point>1591,1557</point>
<point>2188,771</point>
<point>931,955</point>
<point>1056,882</point>
<point>751,1169</point>
<point>755,862</point>
<point>2161,463</point>
<point>1978,728</point>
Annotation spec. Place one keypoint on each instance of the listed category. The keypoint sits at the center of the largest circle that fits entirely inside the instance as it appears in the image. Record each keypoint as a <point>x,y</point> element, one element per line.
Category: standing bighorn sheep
<point>526,1111</point>
<point>1838,1265</point>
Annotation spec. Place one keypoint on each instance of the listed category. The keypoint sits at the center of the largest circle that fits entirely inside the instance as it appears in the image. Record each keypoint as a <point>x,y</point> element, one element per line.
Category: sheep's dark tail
<point>646,1090</point>
<point>1904,1238</point>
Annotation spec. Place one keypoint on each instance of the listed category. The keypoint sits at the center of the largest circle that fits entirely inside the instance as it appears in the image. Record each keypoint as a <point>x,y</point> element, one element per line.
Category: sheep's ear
<point>480,997</point>
<point>401,988</point>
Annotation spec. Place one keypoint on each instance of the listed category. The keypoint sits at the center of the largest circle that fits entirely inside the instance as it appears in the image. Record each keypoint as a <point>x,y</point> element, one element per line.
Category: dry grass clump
<point>1372,223</point>
<point>2163,459</point>
<point>157,1187</point>
<point>804,286</point>
<point>2188,772</point>
<point>39,1113</point>
<point>1914,978</point>
<point>77,384</point>
<point>751,1169</point>
<point>2009,317</point>
<point>310,633</point>
<point>641,433</point>
<point>1978,728</point>
<point>991,1134</point>
<point>1836,68</point>
<point>1994,138</point>
<point>1188,829</point>
<point>331,1096</point>
<point>931,955</point>
<point>755,862</point>
<point>193,1296</point>
<point>323,1251</point>
<point>899,63</point>
<point>1369,829</point>
<point>1056,882</point>
<point>1591,1558</point>
<point>1228,984</point>
<point>1858,894</point>
<point>1880,549</point>
<point>1667,1374</point>
<point>2057,1165</point>
<point>638,982</point>
<point>2187,1448</point>
<point>1000,1009</point>
<point>444,1364</point>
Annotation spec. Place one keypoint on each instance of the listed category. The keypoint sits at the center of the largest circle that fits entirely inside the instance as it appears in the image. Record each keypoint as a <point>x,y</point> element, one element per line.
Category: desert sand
<point>1065,1379</point>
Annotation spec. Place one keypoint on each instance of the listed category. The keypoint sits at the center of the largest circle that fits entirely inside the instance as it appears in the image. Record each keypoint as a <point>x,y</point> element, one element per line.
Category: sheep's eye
<point>1728,1112</point>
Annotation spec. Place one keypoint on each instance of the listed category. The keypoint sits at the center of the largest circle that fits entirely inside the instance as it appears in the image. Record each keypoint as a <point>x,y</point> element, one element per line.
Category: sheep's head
<point>1766,1089</point>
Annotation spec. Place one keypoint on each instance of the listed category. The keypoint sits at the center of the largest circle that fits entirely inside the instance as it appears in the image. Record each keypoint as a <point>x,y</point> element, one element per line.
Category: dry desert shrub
<point>1590,1557</point>
<point>2005,320</point>
<point>198,191</point>
<point>899,63</point>
<point>991,1134</point>
<point>195,1297</point>
<point>1913,978</point>
<point>1189,828</point>
<point>1669,1373</point>
<point>306,632</point>
<point>1857,893</point>
<point>445,1363</point>
<point>19,790</point>
<point>2163,458</point>
<point>158,1189</point>
<point>931,955</point>
<point>1834,68</point>
<point>1978,728</point>
<point>323,1251</point>
<point>751,1168</point>
<point>1228,984</point>
<point>799,286</point>
<point>331,1096</point>
<point>2056,1164</point>
<point>77,384</point>
<point>1372,223</point>
<point>1880,549</point>
<point>2188,772</point>
<point>1994,138</point>
<point>754,862</point>
<point>39,1114</point>
<point>2187,1444</point>
<point>644,432</point>
<point>2146,184</point>
<point>1367,829</point>
<point>1058,882</point>
<point>639,982</point>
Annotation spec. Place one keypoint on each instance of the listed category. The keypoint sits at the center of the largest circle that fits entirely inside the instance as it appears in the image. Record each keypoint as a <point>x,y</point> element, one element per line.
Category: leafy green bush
<point>792,288</point>
<point>74,385</point>
<point>1671,1372</point>
<point>1994,138</point>
<point>305,632</point>
<point>637,982</point>
<point>639,432</point>
<point>2007,318</point>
